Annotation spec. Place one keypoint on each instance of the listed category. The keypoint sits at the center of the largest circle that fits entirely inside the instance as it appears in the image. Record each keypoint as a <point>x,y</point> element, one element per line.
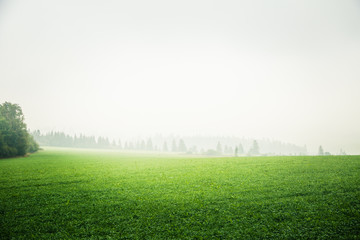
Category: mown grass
<point>78,194</point>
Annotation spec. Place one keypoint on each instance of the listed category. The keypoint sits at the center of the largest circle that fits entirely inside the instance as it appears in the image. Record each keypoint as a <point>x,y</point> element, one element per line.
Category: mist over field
<point>285,70</point>
<point>232,119</point>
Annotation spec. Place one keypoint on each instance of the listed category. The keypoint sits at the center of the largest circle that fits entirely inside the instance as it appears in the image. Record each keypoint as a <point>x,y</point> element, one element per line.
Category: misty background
<point>281,70</point>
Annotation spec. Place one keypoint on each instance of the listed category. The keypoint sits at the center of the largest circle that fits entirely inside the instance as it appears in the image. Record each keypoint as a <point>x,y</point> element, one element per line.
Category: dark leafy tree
<point>14,138</point>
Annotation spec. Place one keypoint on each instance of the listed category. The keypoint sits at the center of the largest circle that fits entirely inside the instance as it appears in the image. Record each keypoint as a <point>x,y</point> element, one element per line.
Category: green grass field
<point>79,194</point>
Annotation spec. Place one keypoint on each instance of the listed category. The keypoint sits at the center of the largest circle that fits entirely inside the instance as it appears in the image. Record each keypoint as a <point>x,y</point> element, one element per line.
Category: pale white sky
<point>287,70</point>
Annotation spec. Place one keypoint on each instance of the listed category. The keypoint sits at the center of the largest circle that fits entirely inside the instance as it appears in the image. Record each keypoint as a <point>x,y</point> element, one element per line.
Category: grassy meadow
<point>94,194</point>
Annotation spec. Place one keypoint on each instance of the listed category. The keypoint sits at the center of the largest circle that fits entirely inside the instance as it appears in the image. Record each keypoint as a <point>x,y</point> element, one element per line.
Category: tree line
<point>15,140</point>
<point>60,139</point>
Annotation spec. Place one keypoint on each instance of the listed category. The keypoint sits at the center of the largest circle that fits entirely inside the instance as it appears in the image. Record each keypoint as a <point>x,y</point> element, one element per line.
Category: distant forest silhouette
<point>230,146</point>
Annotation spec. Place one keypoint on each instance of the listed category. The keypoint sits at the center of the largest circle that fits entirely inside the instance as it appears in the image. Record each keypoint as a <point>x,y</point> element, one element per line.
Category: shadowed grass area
<point>88,194</point>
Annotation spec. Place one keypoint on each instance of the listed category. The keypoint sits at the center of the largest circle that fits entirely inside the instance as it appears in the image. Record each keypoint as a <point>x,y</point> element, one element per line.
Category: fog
<point>283,70</point>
